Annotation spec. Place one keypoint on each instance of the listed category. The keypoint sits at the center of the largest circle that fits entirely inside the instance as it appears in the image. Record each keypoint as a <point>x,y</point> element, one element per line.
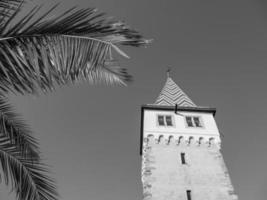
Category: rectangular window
<point>193,121</point>
<point>189,121</point>
<point>183,158</point>
<point>197,122</point>
<point>161,120</point>
<point>188,194</point>
<point>165,120</point>
<point>168,120</point>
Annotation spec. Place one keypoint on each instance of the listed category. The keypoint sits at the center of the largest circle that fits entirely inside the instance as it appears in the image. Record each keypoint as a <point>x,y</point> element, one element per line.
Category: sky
<point>89,134</point>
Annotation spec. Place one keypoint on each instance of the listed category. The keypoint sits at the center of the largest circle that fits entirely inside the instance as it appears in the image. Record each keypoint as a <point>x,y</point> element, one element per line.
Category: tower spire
<point>172,94</point>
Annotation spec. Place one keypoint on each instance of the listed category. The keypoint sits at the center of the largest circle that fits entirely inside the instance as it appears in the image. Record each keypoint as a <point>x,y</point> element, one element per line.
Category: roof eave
<point>179,108</point>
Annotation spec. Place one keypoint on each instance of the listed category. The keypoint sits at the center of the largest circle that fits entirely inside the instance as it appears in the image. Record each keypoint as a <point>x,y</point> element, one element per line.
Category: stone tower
<point>180,147</point>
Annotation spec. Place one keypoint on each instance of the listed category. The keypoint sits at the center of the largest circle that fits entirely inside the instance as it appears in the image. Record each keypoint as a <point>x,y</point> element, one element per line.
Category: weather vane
<point>168,71</point>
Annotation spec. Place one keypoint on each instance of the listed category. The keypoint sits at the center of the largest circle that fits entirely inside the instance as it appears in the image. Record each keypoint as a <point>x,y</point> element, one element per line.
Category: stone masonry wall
<point>164,176</point>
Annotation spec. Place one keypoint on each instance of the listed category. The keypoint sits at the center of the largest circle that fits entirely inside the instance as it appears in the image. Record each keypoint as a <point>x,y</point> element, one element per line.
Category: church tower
<point>180,148</point>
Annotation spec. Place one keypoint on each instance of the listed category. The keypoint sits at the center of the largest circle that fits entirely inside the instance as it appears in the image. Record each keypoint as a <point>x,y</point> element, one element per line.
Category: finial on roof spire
<point>168,72</point>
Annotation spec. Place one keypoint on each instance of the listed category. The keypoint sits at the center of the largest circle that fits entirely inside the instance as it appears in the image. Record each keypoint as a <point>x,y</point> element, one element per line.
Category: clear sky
<point>89,135</point>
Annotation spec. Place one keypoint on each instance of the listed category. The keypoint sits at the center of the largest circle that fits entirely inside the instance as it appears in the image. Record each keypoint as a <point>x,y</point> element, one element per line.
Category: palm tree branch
<point>71,36</point>
<point>10,9</point>
<point>28,177</point>
<point>44,61</point>
<point>17,131</point>
<point>77,22</point>
<point>45,52</point>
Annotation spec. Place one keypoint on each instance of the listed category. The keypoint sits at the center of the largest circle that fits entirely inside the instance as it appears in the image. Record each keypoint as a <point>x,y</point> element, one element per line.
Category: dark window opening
<point>165,120</point>
<point>161,120</point>
<point>197,122</point>
<point>192,121</point>
<point>183,158</point>
<point>189,121</point>
<point>188,194</point>
<point>169,120</point>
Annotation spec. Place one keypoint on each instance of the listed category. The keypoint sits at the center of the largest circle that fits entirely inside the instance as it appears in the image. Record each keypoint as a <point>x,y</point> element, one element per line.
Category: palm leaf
<point>40,53</point>
<point>78,44</point>
<point>18,133</point>
<point>27,177</point>
<point>8,8</point>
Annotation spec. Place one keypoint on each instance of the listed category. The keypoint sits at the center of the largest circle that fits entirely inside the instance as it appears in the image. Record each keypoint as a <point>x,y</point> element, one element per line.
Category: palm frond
<point>49,51</point>
<point>9,8</point>
<point>26,176</point>
<point>18,133</point>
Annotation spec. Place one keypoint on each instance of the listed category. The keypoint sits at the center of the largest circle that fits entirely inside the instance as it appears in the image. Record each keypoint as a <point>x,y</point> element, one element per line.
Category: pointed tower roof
<point>172,94</point>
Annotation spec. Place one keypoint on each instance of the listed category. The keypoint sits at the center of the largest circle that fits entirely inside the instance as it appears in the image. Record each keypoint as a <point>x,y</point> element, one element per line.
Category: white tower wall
<point>180,146</point>
<point>179,128</point>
